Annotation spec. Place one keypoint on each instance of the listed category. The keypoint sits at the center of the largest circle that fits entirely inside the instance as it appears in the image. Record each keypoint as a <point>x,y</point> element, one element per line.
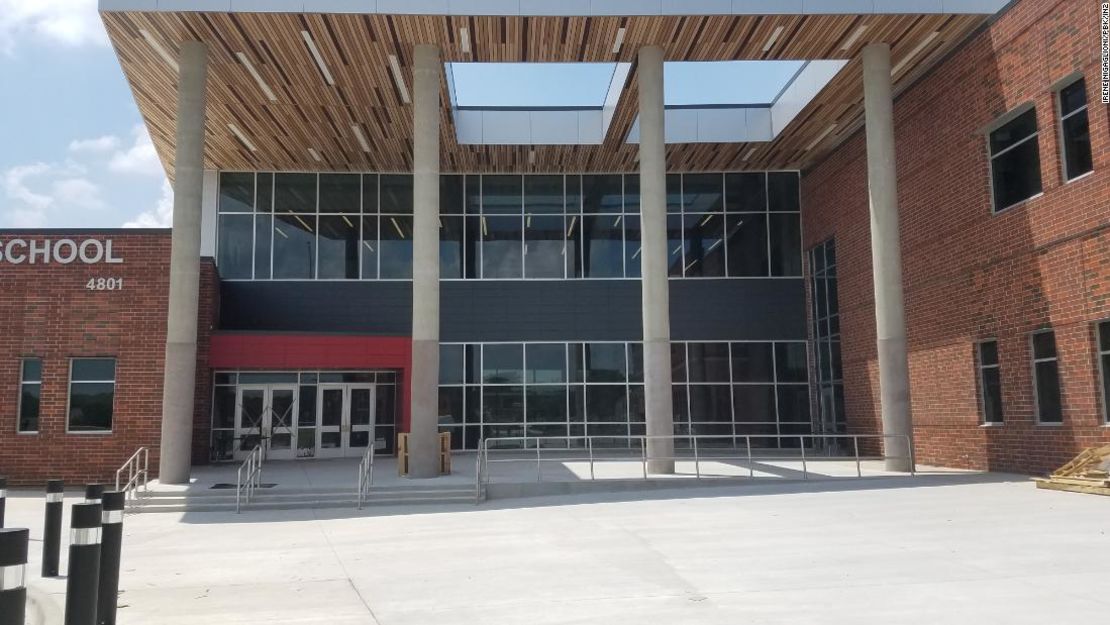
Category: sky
<point>73,149</point>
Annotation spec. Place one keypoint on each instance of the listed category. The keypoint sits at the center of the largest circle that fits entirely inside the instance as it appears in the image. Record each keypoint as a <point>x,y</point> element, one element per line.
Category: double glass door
<point>346,419</point>
<point>267,415</point>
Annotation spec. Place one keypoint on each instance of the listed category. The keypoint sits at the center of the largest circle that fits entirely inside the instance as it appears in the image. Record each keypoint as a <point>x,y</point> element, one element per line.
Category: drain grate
<point>232,486</point>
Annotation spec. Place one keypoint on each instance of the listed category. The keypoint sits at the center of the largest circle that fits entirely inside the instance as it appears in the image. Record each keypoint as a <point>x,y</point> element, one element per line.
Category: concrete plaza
<point>931,550</point>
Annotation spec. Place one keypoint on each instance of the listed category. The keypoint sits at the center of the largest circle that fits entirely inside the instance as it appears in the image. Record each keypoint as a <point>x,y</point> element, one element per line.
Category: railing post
<point>83,576</point>
<point>802,446</point>
<point>643,454</point>
<point>13,585</point>
<point>913,459</point>
<point>751,465</point>
<point>238,489</point>
<point>539,464</point>
<point>697,460</point>
<point>111,544</point>
<point>590,447</point>
<point>855,447</point>
<point>52,528</point>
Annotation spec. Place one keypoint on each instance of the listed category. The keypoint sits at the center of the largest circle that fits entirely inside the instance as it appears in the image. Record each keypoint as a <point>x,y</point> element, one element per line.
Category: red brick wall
<point>47,312</point>
<point>969,274</point>
<point>208,319</point>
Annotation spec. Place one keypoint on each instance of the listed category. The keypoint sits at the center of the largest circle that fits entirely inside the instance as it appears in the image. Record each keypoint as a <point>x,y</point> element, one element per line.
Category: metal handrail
<point>482,468</point>
<point>138,472</point>
<point>253,467</point>
<point>365,475</point>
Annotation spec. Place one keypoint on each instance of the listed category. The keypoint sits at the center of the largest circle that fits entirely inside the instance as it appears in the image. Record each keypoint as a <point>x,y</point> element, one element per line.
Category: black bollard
<point>52,528</point>
<point>110,546</point>
<point>3,498</point>
<point>13,573</point>
<point>83,579</point>
<point>93,493</point>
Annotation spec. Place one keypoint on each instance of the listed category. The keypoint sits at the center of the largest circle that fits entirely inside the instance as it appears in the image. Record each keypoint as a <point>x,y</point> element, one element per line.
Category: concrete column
<point>653,259</point>
<point>179,385</point>
<point>424,431</point>
<point>886,256</point>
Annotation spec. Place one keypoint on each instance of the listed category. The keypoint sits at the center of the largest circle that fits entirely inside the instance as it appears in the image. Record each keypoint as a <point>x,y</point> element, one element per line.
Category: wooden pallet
<point>1086,473</point>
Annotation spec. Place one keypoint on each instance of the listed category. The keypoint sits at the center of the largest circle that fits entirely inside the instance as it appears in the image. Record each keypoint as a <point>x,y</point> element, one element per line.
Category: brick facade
<point>47,312</point>
<point>970,274</point>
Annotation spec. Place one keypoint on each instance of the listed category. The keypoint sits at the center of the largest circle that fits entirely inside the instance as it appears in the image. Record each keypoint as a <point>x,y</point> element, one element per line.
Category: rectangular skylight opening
<point>727,83</point>
<point>530,86</point>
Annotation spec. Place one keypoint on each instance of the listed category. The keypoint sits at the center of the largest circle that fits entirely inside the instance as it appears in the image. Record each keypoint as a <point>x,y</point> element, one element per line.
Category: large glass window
<point>30,394</point>
<point>1015,159</point>
<point>1075,130</point>
<point>1104,366</point>
<point>92,390</point>
<point>990,382</point>
<point>825,315</point>
<point>1046,378</point>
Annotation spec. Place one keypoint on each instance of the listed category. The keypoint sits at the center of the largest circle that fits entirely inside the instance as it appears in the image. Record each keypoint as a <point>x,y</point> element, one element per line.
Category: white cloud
<point>65,22</point>
<point>140,158</point>
<point>77,193</point>
<point>37,189</point>
<point>98,145</point>
<point>161,216</point>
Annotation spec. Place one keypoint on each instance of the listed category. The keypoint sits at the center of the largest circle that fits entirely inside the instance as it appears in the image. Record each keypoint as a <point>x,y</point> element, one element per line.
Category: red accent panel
<point>314,351</point>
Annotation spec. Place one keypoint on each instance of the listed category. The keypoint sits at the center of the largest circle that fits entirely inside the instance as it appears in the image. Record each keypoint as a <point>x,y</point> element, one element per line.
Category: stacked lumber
<point>1089,472</point>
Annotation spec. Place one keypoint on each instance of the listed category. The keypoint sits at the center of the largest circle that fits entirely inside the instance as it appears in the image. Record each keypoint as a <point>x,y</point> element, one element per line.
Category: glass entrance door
<point>265,414</point>
<point>346,420</point>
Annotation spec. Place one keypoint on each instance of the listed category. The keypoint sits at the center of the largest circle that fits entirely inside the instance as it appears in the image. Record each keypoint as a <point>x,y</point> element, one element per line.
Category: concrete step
<point>302,500</point>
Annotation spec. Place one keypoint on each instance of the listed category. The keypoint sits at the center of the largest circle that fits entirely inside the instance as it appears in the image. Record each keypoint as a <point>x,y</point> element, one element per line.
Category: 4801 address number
<point>104,284</point>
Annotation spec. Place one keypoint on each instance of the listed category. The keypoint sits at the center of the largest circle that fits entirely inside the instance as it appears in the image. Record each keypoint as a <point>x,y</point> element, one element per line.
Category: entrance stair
<point>277,498</point>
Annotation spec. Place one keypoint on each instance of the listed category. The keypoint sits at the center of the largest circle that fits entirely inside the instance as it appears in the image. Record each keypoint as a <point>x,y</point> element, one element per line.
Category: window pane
<point>294,247</point>
<point>502,195</point>
<point>223,407</point>
<point>1017,175</point>
<point>472,250</point>
<point>235,244</point>
<point>752,362</point>
<point>704,249</point>
<point>369,193</point>
<point>1073,97</point>
<point>605,362</point>
<point>340,193</point>
<point>29,407</point>
<point>710,403</point>
<point>1104,336</point>
<point>708,362</point>
<point>793,403</point>
<point>94,370</point>
<point>992,395</point>
<point>502,247</point>
<point>451,195</point>
<point>790,361</point>
<point>502,364</point>
<point>547,404</point>
<point>786,245</point>
<point>747,246</point>
<point>678,362</point>
<point>32,370</point>
<point>339,242</point>
<point>637,406</point>
<point>1044,345</point>
<point>544,246</point>
<point>679,403</point>
<point>635,362</point>
<point>263,231</point>
<point>503,404</point>
<point>574,246</point>
<point>473,363</point>
<point>988,353</point>
<point>306,407</point>
<point>782,191</point>
<point>632,193</point>
<point>451,405</point>
<point>603,247</point>
<point>1014,131</point>
<point>395,248</point>
<point>1048,392</point>
<point>602,194</point>
<point>264,202</point>
<point>90,406</point>
<point>451,248</point>
<point>236,192</point>
<point>295,193</point>
<point>754,403</point>
<point>606,403</point>
<point>1106,387</point>
<point>674,245</point>
<point>395,195</point>
<point>674,193</point>
<point>369,248</point>
<point>746,193</point>
<point>573,199</point>
<point>546,363</point>
<point>703,193</point>
<point>1077,145</point>
<point>543,195</point>
<point>450,364</point>
<point>632,246</point>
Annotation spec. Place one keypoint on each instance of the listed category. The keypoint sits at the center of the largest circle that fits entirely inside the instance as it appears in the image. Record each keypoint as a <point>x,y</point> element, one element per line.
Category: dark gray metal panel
<point>382,308</point>
<point>479,311</point>
<point>738,310</point>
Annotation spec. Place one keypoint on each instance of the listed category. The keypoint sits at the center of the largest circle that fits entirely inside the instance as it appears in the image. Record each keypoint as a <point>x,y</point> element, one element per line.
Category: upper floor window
<point>1075,130</point>
<point>92,392</point>
<point>990,382</point>
<point>1046,378</point>
<point>30,393</point>
<point>1015,161</point>
<point>1104,366</point>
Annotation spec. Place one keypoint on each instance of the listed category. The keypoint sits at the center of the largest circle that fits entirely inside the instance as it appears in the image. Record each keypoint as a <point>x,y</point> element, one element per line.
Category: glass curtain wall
<point>826,339</point>
<point>334,226</point>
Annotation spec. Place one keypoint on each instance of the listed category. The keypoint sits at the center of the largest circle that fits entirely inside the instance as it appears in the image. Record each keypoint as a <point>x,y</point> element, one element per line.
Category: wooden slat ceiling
<point>309,113</point>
